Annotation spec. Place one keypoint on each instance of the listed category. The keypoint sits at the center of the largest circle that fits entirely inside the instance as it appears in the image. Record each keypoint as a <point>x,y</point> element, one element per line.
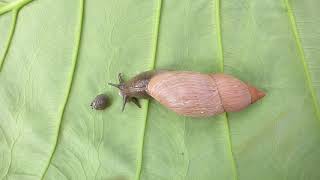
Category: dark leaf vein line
<point>75,55</point>
<point>154,56</point>
<point>303,58</point>
<point>220,49</point>
<point>10,37</point>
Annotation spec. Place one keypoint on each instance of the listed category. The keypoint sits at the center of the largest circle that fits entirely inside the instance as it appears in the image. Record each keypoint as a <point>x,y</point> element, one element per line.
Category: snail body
<point>191,93</point>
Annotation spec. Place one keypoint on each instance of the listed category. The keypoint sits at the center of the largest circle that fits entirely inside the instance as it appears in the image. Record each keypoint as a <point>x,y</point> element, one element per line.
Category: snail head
<point>124,92</point>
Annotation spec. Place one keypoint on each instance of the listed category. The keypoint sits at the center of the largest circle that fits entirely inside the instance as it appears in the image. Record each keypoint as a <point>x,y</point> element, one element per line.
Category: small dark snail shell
<point>100,102</point>
<point>190,93</point>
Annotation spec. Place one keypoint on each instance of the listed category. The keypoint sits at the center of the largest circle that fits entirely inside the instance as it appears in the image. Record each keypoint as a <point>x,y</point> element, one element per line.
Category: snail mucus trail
<point>189,93</point>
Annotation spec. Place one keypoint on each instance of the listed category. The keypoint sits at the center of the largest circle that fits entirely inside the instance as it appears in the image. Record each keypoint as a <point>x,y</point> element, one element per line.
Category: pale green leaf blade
<point>279,137</point>
<point>307,21</point>
<point>33,81</point>
<point>2,4</point>
<point>106,144</point>
<point>5,24</point>
<point>57,56</point>
<point>178,147</point>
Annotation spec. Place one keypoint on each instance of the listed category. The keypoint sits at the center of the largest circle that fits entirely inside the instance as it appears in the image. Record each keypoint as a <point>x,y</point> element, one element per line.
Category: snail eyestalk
<point>125,92</point>
<point>121,82</point>
<point>120,77</point>
<point>125,100</point>
<point>114,85</point>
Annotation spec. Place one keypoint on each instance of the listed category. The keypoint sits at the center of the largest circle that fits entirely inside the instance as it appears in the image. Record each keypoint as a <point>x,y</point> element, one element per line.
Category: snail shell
<point>195,94</point>
<point>100,102</point>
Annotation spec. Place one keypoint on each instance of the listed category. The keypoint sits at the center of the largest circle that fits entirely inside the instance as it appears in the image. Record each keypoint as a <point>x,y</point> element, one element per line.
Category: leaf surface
<point>56,56</point>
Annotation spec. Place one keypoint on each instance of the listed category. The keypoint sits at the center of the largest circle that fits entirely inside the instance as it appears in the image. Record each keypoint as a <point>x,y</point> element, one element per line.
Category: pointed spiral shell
<point>201,95</point>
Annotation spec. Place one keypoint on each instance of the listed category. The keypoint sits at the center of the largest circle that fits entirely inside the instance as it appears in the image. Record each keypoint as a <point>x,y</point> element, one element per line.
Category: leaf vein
<point>71,77</point>
<point>226,122</point>
<point>14,5</point>
<point>12,30</point>
<point>154,54</point>
<point>303,58</point>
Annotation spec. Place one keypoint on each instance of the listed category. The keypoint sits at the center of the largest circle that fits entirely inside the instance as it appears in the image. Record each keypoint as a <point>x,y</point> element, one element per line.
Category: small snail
<point>190,93</point>
<point>100,102</point>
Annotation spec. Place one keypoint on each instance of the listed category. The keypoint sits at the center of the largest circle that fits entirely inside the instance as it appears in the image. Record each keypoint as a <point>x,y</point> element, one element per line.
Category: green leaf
<point>2,3</point>
<point>56,56</point>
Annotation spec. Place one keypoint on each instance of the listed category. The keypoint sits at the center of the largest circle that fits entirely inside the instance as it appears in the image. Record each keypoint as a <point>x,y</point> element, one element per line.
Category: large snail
<point>190,93</point>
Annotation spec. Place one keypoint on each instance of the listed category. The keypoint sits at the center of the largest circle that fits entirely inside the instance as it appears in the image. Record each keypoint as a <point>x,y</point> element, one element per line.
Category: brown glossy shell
<point>201,95</point>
